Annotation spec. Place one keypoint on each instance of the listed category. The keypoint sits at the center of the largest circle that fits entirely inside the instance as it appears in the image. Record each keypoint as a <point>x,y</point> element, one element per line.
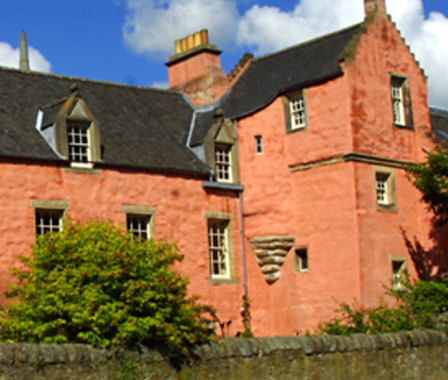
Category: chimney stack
<point>196,69</point>
<point>376,6</point>
<point>24,62</point>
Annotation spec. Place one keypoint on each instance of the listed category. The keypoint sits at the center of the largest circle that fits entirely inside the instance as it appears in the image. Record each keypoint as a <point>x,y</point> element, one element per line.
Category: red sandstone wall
<point>180,203</point>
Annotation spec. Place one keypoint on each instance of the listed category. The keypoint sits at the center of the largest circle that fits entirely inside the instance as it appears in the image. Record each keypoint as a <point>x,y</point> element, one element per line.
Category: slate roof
<point>268,76</point>
<point>298,66</point>
<point>439,121</point>
<point>202,124</point>
<point>139,127</point>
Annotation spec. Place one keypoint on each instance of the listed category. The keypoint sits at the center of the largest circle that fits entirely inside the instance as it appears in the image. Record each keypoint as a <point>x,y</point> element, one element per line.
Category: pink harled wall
<point>331,206</point>
<point>181,204</point>
<point>380,53</point>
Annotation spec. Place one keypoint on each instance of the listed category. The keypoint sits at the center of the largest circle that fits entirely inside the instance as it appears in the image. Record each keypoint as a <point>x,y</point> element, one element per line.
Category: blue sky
<point>128,41</point>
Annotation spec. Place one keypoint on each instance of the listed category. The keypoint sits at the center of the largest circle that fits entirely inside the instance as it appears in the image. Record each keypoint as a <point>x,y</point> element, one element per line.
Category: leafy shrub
<point>418,306</point>
<point>93,284</point>
<point>431,178</point>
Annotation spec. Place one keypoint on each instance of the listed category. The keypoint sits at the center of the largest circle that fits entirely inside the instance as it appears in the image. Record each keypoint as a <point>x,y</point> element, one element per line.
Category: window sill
<point>290,130</point>
<point>387,208</point>
<point>223,281</point>
<point>222,186</point>
<point>83,170</point>
<point>403,126</point>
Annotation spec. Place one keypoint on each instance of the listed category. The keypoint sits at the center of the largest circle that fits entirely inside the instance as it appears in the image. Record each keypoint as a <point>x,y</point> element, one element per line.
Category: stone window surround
<point>223,132</point>
<point>406,97</point>
<point>392,204</point>
<point>403,269</point>
<point>229,218</point>
<point>50,205</point>
<point>287,98</point>
<point>76,111</point>
<point>142,211</point>
<point>298,265</point>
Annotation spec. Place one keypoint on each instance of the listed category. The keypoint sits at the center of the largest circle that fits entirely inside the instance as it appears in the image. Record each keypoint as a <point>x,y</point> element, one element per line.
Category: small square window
<point>223,163</point>
<point>301,259</point>
<point>48,221</point>
<point>385,189</point>
<point>259,144</point>
<point>218,243</point>
<point>399,269</point>
<point>139,225</point>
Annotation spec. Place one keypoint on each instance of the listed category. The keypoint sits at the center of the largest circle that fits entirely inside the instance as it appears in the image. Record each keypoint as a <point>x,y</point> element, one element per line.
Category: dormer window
<point>78,143</point>
<point>221,151</point>
<point>223,163</point>
<point>72,130</point>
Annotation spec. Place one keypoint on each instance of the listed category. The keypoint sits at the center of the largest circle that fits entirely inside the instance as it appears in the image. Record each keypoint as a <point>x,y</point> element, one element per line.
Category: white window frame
<point>382,188</point>
<point>398,106</point>
<point>44,220</point>
<point>298,111</point>
<point>139,225</point>
<point>80,145</point>
<point>218,248</point>
<point>223,162</point>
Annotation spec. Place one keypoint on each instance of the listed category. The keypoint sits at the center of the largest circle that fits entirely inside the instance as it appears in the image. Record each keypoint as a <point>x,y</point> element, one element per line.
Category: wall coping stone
<point>19,354</point>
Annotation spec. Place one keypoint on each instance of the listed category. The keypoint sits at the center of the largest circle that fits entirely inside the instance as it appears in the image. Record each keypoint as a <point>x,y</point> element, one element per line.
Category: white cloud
<point>427,38</point>
<point>152,25</point>
<point>267,29</point>
<point>163,85</point>
<point>9,57</point>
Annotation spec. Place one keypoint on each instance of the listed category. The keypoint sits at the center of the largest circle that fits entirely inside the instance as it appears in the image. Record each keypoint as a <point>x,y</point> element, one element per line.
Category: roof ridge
<point>439,110</point>
<point>308,42</point>
<point>87,80</point>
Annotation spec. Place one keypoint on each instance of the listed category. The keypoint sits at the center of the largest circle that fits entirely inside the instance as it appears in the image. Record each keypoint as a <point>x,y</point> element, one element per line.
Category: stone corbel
<point>271,252</point>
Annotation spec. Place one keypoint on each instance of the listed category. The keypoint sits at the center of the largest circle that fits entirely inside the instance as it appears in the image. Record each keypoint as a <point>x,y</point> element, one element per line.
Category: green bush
<point>418,306</point>
<point>93,284</point>
<point>431,178</point>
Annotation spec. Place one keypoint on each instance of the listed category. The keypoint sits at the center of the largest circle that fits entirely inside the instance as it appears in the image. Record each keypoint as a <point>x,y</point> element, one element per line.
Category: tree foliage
<point>431,178</point>
<point>93,284</point>
<point>418,306</point>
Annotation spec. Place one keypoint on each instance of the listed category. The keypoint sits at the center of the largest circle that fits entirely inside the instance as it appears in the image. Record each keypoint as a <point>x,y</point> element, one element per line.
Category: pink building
<point>284,181</point>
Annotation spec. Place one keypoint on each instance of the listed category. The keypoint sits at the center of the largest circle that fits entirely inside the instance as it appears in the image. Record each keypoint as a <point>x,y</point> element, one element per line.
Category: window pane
<point>138,225</point>
<point>223,163</point>
<point>218,248</point>
<point>298,112</point>
<point>48,221</point>
<point>78,142</point>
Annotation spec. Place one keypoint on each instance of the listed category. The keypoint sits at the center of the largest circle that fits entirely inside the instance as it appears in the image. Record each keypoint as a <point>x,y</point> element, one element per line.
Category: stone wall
<point>409,355</point>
